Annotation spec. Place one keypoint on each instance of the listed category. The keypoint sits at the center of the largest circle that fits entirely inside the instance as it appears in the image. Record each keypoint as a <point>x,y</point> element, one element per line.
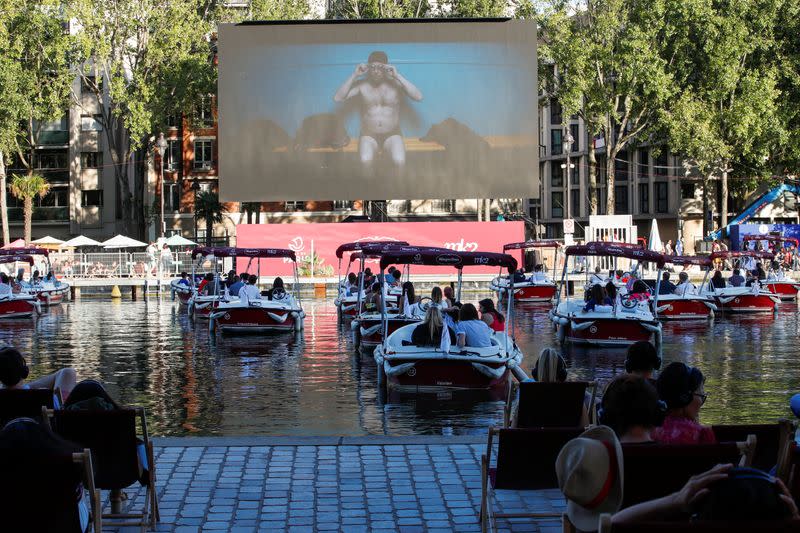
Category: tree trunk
<point>28,212</point>
<point>706,229</point>
<point>610,168</point>
<point>3,202</point>
<point>209,229</point>
<point>592,178</point>
<point>724,205</point>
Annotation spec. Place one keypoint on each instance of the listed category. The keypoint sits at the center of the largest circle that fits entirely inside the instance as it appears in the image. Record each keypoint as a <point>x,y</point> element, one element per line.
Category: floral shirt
<point>681,430</point>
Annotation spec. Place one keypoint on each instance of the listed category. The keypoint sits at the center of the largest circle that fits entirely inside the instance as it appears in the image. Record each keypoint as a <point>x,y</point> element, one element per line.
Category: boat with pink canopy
<point>777,283</point>
<point>753,299</point>
<point>538,287</point>
<point>48,290</point>
<point>687,303</point>
<point>625,321</point>
<point>347,298</point>
<point>20,304</point>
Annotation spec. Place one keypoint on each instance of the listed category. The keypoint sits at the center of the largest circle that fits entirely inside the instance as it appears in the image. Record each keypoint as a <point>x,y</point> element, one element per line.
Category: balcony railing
<point>40,214</point>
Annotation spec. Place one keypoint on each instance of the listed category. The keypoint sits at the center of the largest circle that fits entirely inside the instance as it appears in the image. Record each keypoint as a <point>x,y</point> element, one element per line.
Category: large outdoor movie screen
<point>376,111</point>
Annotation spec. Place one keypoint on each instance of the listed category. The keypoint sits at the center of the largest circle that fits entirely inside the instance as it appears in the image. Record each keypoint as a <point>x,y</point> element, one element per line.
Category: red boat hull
<point>748,303</point>
<point>255,320</point>
<point>535,294</point>
<point>684,310</point>
<point>783,290</point>
<point>433,375</point>
<point>16,309</point>
<point>184,297</point>
<point>608,332</point>
<point>56,297</point>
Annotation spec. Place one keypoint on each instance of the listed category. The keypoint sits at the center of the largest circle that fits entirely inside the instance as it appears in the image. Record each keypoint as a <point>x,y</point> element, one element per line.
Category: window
<point>50,160</point>
<point>557,204</point>
<point>296,205</point>
<point>556,174</point>
<point>91,122</point>
<point>555,141</point>
<point>661,193</point>
<point>92,198</point>
<point>556,113</point>
<point>172,157</point>
<point>644,164</point>
<point>575,202</point>
<point>660,164</point>
<point>576,140</point>
<point>91,159</point>
<point>172,197</point>
<point>687,191</point>
<point>621,166</point>
<point>644,198</point>
<point>203,114</point>
<point>575,173</point>
<point>621,199</point>
<point>56,197</point>
<point>342,205</point>
<point>202,154</point>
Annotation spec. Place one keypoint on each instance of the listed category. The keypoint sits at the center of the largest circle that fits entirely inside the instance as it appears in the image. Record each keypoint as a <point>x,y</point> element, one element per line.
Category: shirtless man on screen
<point>381,88</point>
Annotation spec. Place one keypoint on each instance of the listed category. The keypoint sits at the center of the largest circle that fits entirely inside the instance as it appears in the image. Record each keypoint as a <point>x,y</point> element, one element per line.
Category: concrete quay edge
<point>365,440</point>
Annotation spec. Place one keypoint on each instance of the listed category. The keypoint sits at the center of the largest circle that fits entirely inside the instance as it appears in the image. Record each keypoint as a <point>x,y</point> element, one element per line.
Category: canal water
<point>150,353</point>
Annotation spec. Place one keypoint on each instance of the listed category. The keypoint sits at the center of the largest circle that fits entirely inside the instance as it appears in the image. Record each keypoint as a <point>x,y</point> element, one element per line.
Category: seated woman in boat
<point>736,279</point>
<point>208,278</point>
<point>519,276</point>
<point>776,272</point>
<point>640,291</point>
<point>717,281</point>
<point>550,367</point>
<point>5,285</point>
<point>429,332</point>
<point>372,302</point>
<point>250,292</point>
<point>597,296</point>
<point>538,274</point>
<point>36,278</point>
<point>394,279</point>
<point>410,298</point>
<point>598,278</point>
<point>236,286</point>
<point>684,285</point>
<point>611,291</point>
<point>437,299</point>
<point>759,273</point>
<point>471,330</point>
<point>491,316</point>
<point>278,291</point>
<point>351,285</point>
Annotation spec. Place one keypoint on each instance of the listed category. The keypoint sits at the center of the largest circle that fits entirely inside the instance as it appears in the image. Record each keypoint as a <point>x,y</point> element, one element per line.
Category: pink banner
<point>323,239</point>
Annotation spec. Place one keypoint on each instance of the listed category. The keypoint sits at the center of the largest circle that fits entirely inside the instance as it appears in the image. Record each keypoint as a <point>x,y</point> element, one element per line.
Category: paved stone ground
<point>433,487</point>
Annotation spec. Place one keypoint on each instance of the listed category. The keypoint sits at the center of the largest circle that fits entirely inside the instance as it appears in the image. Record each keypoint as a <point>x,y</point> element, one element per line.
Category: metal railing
<point>119,264</point>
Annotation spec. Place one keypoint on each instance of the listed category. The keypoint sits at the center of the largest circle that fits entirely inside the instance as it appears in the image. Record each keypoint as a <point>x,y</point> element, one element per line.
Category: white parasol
<point>79,241</point>
<point>121,241</point>
<point>177,240</point>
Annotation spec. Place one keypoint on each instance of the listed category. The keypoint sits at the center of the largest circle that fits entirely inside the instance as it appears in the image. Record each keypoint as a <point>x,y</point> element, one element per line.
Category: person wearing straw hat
<point>589,470</point>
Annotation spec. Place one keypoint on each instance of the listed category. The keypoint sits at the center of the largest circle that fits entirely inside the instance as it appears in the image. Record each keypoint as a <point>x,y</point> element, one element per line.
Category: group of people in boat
<point>9,285</point>
<point>538,275</point>
<point>392,278</point>
<point>243,286</point>
<point>604,291</point>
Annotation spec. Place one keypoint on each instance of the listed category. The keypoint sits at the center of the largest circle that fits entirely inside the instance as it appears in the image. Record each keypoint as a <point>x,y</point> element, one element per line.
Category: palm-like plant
<point>209,208</point>
<point>27,187</point>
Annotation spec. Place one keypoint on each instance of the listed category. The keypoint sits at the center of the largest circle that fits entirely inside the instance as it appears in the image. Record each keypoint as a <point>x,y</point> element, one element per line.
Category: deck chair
<point>656,470</point>
<point>16,403</point>
<point>112,438</point>
<point>526,460</point>
<point>547,404</point>
<point>768,437</point>
<point>767,526</point>
<point>44,493</point>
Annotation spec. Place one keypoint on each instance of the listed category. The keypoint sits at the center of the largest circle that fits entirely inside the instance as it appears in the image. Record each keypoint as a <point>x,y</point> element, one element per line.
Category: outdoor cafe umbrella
<point>79,241</point>
<point>119,242</point>
<point>19,243</point>
<point>177,240</point>
<point>48,242</point>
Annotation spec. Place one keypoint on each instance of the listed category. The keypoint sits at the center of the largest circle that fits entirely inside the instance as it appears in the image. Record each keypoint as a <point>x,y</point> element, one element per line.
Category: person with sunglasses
<point>681,387</point>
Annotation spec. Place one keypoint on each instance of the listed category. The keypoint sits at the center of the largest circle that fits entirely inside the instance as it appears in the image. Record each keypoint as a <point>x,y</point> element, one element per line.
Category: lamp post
<point>568,227</point>
<point>195,188</point>
<point>161,146</point>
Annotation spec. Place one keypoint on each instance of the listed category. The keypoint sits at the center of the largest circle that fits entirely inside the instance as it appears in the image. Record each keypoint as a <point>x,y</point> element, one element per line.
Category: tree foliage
<point>209,208</point>
<point>373,9</point>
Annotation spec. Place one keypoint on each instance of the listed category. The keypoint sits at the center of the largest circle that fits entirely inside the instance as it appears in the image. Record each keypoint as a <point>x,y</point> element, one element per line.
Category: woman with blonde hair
<point>429,332</point>
<point>550,367</point>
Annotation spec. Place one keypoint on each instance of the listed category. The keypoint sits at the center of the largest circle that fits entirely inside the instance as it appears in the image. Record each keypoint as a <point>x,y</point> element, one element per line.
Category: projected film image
<point>376,120</point>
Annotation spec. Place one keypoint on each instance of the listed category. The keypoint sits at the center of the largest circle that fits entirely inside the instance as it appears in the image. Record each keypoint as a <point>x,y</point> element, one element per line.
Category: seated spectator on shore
<point>642,360</point>
<point>632,409</point>
<point>597,296</point>
<point>590,471</point>
<point>5,285</point>
<point>681,387</point>
<point>684,286</point>
<point>519,276</point>
<point>471,330</point>
<point>14,371</point>
<point>429,332</point>
<point>736,279</point>
<point>491,315</point>
<point>550,367</point>
<point>724,493</point>
<point>184,280</point>
<point>249,292</point>
<point>237,285</point>
<point>598,278</point>
<point>665,286</point>
<point>24,445</point>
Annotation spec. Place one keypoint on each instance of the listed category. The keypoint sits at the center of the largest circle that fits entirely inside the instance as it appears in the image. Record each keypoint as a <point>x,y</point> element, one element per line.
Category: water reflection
<point>315,383</point>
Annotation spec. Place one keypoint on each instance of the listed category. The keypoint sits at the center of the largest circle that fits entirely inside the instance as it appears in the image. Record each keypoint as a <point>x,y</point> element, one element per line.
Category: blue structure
<point>757,205</point>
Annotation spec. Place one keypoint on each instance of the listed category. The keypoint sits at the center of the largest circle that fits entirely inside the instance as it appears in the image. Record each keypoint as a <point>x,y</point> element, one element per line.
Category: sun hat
<point>589,470</point>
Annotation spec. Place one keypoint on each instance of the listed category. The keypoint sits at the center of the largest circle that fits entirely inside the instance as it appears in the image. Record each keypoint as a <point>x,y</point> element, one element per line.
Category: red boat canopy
<point>531,244</point>
<point>744,253</point>
<point>16,258</point>
<point>683,260</point>
<point>630,251</point>
<point>26,251</point>
<point>772,238</point>
<point>244,252</point>
<point>357,246</point>
<point>445,257</point>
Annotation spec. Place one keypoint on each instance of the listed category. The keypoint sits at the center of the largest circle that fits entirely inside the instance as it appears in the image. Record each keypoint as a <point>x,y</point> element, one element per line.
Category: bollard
<point>115,292</point>
<point>133,292</point>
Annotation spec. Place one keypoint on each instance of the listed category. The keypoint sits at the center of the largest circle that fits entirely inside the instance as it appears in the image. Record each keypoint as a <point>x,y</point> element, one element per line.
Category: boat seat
<point>606,309</point>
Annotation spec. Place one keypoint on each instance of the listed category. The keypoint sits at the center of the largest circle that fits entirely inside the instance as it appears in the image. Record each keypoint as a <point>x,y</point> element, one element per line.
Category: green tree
<point>11,109</point>
<point>27,188</point>
<point>374,9</point>
<point>726,116</point>
<point>264,10</point>
<point>787,154</point>
<point>209,208</point>
<point>608,70</point>
<point>144,61</point>
<point>474,8</point>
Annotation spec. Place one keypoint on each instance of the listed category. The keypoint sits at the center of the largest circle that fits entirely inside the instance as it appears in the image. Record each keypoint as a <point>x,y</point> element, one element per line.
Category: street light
<point>161,146</point>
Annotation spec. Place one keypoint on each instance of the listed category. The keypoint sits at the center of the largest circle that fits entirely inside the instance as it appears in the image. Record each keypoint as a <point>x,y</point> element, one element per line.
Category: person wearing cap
<point>380,89</point>
<point>589,469</point>
<point>681,387</point>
